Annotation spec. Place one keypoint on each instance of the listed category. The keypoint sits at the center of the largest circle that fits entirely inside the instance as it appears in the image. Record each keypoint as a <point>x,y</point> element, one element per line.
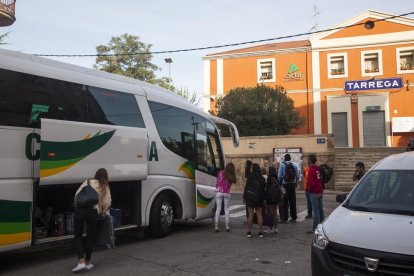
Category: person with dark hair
<point>253,196</point>
<point>273,197</point>
<point>247,172</point>
<point>247,168</point>
<point>315,188</point>
<point>289,176</point>
<point>224,180</point>
<point>89,216</point>
<point>359,171</point>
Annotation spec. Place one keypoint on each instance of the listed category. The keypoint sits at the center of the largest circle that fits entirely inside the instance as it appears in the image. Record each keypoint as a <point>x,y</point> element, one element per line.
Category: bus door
<point>210,162</point>
<point>73,151</point>
<point>18,152</point>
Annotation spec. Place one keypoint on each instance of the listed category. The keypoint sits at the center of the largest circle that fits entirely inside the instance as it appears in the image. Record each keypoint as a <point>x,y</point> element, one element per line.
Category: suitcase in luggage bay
<point>105,236</point>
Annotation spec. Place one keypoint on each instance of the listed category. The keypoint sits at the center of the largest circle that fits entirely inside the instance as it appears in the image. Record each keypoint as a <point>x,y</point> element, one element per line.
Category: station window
<point>405,60</point>
<point>337,65</point>
<point>266,71</point>
<point>371,63</point>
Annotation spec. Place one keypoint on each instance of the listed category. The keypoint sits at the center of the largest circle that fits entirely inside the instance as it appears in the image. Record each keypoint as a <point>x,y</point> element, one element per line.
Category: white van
<point>372,231</point>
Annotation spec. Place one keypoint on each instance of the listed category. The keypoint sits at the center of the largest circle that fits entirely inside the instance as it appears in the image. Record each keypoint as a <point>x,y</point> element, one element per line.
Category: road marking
<point>238,214</point>
<point>233,207</point>
<point>302,215</point>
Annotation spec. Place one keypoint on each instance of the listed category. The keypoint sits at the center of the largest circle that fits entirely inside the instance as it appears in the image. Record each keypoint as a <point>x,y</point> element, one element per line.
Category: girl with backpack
<point>253,196</point>
<point>273,197</point>
<point>224,180</point>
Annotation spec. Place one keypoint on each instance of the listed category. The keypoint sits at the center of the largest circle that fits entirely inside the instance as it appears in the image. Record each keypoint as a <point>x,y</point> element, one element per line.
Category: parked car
<point>372,231</point>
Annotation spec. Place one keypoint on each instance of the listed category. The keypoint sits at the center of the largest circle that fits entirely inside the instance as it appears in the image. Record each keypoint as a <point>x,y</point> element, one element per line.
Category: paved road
<point>192,249</point>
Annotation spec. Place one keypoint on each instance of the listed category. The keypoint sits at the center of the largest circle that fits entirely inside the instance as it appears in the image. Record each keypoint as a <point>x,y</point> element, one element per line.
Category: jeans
<point>317,209</point>
<point>308,203</point>
<point>90,217</point>
<point>219,199</point>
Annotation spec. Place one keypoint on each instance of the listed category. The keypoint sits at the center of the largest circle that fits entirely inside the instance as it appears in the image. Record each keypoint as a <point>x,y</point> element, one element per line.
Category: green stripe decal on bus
<point>56,157</point>
<point>202,201</point>
<point>61,163</point>
<point>15,211</point>
<point>14,227</point>
<point>189,169</point>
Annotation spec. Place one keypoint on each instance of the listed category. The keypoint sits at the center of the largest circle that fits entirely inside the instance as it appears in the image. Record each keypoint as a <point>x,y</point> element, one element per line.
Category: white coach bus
<point>59,123</point>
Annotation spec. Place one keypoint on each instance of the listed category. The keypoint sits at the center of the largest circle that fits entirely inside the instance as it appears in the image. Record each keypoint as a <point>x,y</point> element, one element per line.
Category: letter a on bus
<point>153,152</point>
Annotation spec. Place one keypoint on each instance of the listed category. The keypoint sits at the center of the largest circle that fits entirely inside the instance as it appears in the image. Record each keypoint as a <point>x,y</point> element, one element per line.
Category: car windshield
<point>384,191</point>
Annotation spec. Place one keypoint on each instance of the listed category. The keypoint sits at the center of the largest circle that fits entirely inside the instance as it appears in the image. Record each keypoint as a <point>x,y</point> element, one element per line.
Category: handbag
<point>88,197</point>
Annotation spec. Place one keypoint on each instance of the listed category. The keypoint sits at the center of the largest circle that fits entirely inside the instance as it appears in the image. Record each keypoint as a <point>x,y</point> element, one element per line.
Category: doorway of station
<point>374,128</point>
<point>340,129</point>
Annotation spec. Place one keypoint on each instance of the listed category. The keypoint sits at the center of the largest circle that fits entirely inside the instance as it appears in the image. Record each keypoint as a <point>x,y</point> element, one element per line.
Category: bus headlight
<point>319,239</point>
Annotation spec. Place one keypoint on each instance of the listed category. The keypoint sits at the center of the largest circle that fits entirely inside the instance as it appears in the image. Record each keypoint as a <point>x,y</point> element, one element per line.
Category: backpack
<point>325,172</point>
<point>290,173</point>
<point>252,191</point>
<point>274,193</point>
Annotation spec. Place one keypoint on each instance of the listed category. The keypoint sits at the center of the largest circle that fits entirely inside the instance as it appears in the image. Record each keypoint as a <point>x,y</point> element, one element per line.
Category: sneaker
<point>292,220</point>
<point>308,217</point>
<point>216,230</point>
<point>228,230</point>
<point>79,267</point>
<point>310,232</point>
<point>89,266</point>
<point>249,234</point>
<point>283,221</point>
<point>260,235</point>
<point>275,230</point>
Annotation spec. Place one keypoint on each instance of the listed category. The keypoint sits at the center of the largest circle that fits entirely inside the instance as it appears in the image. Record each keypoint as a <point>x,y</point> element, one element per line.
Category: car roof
<point>401,161</point>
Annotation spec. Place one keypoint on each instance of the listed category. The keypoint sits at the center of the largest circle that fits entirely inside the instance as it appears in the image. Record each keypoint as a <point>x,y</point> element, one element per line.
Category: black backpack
<point>252,191</point>
<point>273,193</point>
<point>325,172</point>
<point>290,173</point>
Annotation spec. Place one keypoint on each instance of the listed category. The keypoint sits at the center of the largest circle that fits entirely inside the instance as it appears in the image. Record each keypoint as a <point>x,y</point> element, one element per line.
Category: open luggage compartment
<point>53,210</point>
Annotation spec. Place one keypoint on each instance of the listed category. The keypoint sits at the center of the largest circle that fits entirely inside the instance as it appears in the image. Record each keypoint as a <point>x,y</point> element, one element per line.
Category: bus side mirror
<point>341,197</point>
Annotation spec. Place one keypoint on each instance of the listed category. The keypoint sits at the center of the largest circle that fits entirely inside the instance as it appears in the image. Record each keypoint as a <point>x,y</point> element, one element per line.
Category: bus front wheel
<point>161,216</point>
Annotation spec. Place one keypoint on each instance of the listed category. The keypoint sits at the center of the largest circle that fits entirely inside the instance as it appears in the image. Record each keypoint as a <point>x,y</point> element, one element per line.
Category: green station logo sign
<point>293,73</point>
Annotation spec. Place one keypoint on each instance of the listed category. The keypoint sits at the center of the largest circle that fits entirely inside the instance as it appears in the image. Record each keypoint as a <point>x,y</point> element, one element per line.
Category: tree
<point>259,110</point>
<point>126,55</point>
<point>183,92</point>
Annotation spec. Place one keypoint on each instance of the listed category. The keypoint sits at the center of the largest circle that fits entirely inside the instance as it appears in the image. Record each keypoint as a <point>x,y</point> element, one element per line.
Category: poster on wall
<point>295,154</point>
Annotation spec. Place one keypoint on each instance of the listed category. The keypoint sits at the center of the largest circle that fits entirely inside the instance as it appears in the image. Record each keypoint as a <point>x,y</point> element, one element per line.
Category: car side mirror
<point>341,197</point>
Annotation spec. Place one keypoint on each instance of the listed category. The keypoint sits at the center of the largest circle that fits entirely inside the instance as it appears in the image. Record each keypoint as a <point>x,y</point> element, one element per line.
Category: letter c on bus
<point>29,153</point>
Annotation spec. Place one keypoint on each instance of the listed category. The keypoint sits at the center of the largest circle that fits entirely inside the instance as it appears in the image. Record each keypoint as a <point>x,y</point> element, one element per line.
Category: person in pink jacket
<point>225,178</point>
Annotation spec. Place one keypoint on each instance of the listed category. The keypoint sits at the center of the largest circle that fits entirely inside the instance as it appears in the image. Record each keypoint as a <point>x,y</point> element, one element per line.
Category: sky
<point>78,26</point>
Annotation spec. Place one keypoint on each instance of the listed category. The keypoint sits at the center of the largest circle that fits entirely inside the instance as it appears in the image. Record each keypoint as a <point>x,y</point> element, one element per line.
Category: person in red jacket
<point>315,189</point>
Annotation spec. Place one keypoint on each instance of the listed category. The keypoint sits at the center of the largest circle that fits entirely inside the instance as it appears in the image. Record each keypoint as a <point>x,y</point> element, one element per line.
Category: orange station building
<point>354,82</point>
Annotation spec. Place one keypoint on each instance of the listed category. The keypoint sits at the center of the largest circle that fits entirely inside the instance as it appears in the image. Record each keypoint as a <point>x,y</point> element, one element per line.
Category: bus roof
<point>30,64</point>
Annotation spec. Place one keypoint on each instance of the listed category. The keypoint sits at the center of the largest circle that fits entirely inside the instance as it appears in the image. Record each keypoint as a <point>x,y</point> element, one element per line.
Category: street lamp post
<point>169,61</point>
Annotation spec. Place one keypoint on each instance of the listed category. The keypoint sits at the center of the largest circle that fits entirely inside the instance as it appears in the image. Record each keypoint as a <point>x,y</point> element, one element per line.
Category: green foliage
<point>259,110</point>
<point>183,92</point>
<point>126,55</point>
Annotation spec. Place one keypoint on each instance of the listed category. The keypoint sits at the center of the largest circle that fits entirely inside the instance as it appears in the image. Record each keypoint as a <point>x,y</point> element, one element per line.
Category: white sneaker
<point>79,267</point>
<point>275,230</point>
<point>89,266</point>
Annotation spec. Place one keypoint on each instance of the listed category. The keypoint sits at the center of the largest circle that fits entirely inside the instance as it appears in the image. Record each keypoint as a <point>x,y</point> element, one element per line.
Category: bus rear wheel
<point>161,216</point>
